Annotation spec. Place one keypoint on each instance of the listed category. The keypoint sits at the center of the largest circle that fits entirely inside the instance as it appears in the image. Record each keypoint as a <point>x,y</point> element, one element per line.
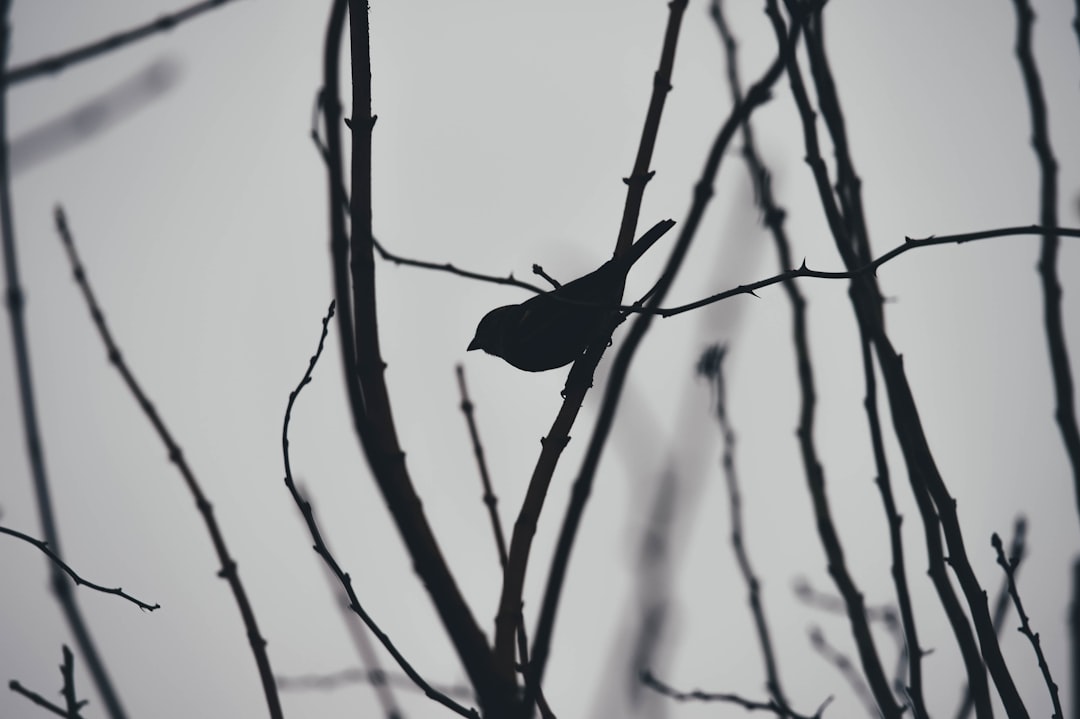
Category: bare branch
<point>655,684</point>
<point>1009,566</point>
<point>323,551</point>
<point>229,571</point>
<point>55,63</point>
<point>44,547</point>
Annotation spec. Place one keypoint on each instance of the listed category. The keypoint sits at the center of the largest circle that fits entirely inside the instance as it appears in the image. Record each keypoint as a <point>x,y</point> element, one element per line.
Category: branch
<point>323,551</point>
<point>1065,411</point>
<point>710,366</point>
<point>369,400</point>
<point>229,570</point>
<point>867,269</point>
<point>44,547</point>
<point>15,301</point>
<point>1009,566</point>
<point>656,685</point>
<point>55,63</point>
<point>702,193</point>
<point>36,698</point>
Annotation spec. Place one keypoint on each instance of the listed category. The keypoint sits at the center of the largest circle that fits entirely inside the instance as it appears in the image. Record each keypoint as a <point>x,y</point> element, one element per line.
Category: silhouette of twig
<point>323,551</point>
<point>229,571</point>
<point>55,63</point>
<point>44,547</point>
<point>1009,566</point>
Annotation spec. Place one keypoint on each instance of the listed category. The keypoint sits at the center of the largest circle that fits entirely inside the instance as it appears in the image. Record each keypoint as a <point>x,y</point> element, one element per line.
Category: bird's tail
<point>647,240</point>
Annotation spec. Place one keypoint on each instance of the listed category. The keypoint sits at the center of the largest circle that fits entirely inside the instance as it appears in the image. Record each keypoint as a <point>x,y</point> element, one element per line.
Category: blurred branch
<point>1065,411</point>
<point>1009,566</point>
<point>229,570</point>
<point>94,116</point>
<point>351,677</point>
<point>655,684</point>
<point>847,670</point>
<point>323,551</point>
<point>870,268</point>
<point>55,63</point>
<point>359,633</point>
<point>759,93</point>
<point>15,302</point>
<point>710,366</point>
<point>36,698</point>
<point>44,547</point>
<point>67,672</point>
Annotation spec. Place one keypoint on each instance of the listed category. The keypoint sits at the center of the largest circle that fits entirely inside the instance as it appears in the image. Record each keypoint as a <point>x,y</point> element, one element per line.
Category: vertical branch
<point>363,367</point>
<point>925,478</point>
<point>702,193</point>
<point>711,367</point>
<point>228,570</point>
<point>15,300</point>
<point>1065,412</point>
<point>1009,567</point>
<point>490,500</point>
<point>578,383</point>
<point>640,175</point>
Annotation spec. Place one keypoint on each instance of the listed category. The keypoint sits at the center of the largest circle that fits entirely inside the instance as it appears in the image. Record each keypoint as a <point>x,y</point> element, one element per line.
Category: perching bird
<point>553,329</point>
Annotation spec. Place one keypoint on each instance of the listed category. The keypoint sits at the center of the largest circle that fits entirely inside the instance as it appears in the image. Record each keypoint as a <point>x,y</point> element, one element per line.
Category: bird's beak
<point>474,345</point>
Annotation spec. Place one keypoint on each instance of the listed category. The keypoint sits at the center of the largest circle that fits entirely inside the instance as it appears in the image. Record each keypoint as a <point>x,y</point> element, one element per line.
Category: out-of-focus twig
<point>847,670</point>
<point>105,110</point>
<point>36,698</point>
<point>56,63</point>
<point>15,303</point>
<point>229,570</point>
<point>374,677</point>
<point>649,680</point>
<point>44,547</point>
<point>710,366</point>
<point>67,672</point>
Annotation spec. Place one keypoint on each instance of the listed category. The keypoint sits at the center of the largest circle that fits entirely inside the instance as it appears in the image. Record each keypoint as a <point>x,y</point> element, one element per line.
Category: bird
<point>554,328</point>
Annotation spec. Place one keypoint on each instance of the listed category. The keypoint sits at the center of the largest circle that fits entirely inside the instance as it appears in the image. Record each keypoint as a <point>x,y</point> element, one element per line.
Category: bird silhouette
<point>554,328</point>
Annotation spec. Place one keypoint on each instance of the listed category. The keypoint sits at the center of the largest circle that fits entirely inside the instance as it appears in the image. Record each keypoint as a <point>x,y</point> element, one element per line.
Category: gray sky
<point>503,132</point>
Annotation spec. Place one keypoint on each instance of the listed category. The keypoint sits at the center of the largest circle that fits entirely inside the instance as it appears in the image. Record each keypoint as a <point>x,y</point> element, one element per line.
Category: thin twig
<point>36,698</point>
<point>44,547</point>
<point>490,500</point>
<point>67,672</point>
<point>710,366</point>
<point>15,298</point>
<point>323,551</point>
<point>1009,566</point>
<point>397,259</point>
<point>910,243</point>
<point>55,63</point>
<point>847,670</point>
<point>351,677</point>
<point>1001,603</point>
<point>649,680</point>
<point>229,571</point>
<point>360,636</point>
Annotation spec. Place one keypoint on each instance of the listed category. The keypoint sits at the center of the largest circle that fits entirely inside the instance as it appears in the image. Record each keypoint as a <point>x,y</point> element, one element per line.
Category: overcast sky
<point>504,131</point>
